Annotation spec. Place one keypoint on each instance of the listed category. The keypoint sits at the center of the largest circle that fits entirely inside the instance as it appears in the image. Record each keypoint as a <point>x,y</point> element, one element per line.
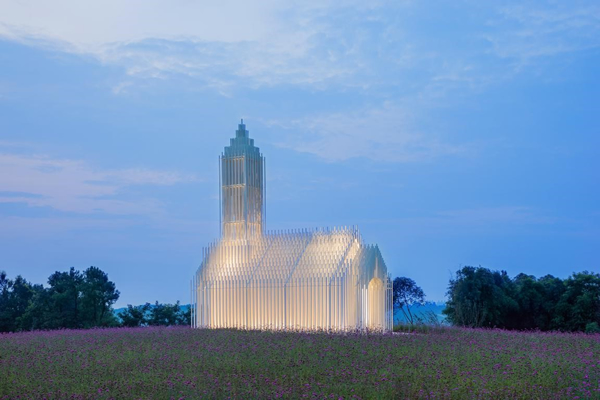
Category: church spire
<point>242,187</point>
<point>241,132</point>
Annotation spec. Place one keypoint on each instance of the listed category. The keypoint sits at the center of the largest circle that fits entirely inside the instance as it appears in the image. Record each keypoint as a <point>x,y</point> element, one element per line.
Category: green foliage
<point>97,296</point>
<point>65,295</point>
<point>134,316</point>
<point>155,315</point>
<point>72,300</point>
<point>592,327</point>
<point>479,297</point>
<point>75,299</point>
<point>580,303</point>
<point>37,313</point>
<point>15,297</point>
<point>167,314</point>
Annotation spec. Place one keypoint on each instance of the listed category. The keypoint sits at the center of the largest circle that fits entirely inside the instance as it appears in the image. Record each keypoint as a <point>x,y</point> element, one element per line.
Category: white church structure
<point>323,279</point>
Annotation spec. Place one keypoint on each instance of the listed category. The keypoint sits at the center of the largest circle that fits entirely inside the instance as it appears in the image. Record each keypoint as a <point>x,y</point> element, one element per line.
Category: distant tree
<point>185,317</point>
<point>65,298</point>
<point>135,316</point>
<point>592,327</point>
<point>38,312</point>
<point>579,305</point>
<point>6,317</point>
<point>98,294</point>
<point>156,314</point>
<point>72,300</point>
<point>21,297</point>
<point>15,297</point>
<point>537,300</point>
<point>406,293</point>
<point>479,297</point>
<point>553,289</point>
<point>529,295</point>
<point>165,314</point>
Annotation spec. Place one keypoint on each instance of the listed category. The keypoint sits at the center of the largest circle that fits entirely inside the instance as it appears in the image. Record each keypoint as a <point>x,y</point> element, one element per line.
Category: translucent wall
<point>306,280</point>
<point>288,280</point>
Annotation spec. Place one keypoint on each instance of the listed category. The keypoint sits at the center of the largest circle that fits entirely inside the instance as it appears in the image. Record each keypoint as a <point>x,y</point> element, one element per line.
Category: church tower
<point>242,180</point>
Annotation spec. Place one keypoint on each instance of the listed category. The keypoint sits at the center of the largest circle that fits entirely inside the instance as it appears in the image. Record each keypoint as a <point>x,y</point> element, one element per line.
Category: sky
<point>451,133</point>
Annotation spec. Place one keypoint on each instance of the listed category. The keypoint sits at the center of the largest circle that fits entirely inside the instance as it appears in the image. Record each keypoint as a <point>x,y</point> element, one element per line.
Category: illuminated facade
<point>304,279</point>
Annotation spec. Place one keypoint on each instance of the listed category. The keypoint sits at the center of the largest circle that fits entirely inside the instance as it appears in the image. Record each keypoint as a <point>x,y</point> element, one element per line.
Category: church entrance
<point>376,304</point>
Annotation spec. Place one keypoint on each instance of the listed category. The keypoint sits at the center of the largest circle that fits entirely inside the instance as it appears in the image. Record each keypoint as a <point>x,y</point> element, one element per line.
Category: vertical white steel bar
<point>309,300</point>
<point>220,197</point>
<point>264,197</point>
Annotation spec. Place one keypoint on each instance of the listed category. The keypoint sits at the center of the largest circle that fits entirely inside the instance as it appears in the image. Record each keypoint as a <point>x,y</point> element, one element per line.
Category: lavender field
<point>181,363</point>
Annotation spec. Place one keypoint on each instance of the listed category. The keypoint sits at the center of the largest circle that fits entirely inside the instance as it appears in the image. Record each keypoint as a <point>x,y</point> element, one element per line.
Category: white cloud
<point>90,25</point>
<point>528,31</point>
<point>121,87</point>
<point>153,37</point>
<point>310,42</point>
<point>75,186</point>
<point>374,50</point>
<point>258,43</point>
<point>386,133</point>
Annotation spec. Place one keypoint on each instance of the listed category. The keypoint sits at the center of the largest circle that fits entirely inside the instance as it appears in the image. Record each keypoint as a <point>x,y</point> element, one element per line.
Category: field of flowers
<point>182,363</point>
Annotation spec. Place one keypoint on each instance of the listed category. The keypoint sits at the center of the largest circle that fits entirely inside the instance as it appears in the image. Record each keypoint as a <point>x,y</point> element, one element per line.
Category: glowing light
<point>301,279</point>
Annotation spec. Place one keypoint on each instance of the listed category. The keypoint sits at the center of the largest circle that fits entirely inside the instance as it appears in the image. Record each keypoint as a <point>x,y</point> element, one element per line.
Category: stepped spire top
<point>242,187</point>
<point>241,132</point>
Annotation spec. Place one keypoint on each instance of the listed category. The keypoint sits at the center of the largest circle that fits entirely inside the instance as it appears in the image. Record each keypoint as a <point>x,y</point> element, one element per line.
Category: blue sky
<point>450,132</point>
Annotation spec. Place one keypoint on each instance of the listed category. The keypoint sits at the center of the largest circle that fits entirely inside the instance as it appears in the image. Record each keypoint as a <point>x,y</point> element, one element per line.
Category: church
<point>322,279</point>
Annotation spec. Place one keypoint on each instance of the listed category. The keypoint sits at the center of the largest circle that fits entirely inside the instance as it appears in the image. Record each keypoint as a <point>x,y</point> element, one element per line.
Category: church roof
<point>241,144</point>
<point>291,255</point>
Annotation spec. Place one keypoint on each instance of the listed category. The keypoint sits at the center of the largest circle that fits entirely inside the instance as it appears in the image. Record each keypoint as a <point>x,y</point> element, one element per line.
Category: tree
<point>98,294</point>
<point>537,300</point>
<point>6,317</point>
<point>185,317</point>
<point>21,297</point>
<point>529,295</point>
<point>156,314</point>
<point>65,297</point>
<point>579,305</point>
<point>553,289</point>
<point>405,293</point>
<point>165,314</point>
<point>135,316</point>
<point>38,312</point>
<point>72,300</point>
<point>479,297</point>
<point>15,297</point>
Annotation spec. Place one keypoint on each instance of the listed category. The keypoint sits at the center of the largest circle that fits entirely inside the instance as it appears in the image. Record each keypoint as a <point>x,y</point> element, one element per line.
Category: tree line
<point>479,297</point>
<point>155,314</point>
<point>75,300</point>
